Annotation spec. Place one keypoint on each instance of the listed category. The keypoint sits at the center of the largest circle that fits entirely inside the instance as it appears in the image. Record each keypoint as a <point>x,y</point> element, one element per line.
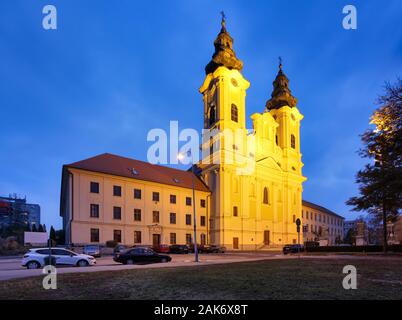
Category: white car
<point>35,258</point>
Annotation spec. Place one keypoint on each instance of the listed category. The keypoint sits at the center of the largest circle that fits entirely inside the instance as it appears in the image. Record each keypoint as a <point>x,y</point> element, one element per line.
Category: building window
<point>173,198</point>
<point>188,201</point>
<point>94,235</point>
<point>294,218</point>
<point>234,113</point>
<point>235,211</point>
<point>265,196</point>
<point>189,240</point>
<point>117,235</point>
<point>117,213</point>
<point>155,216</point>
<point>173,238</point>
<point>212,115</point>
<point>202,221</point>
<point>155,196</point>
<point>172,218</point>
<point>94,210</point>
<point>202,203</point>
<point>137,193</point>
<point>188,219</point>
<point>293,141</point>
<point>117,191</point>
<point>137,237</point>
<point>276,140</point>
<point>94,187</point>
<point>137,214</point>
<point>305,228</point>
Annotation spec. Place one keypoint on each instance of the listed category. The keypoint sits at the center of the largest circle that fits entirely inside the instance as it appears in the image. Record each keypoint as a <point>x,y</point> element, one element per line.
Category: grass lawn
<point>271,279</point>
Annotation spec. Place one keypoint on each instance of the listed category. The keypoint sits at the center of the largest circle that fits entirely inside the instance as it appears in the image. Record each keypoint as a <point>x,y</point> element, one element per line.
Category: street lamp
<point>180,156</point>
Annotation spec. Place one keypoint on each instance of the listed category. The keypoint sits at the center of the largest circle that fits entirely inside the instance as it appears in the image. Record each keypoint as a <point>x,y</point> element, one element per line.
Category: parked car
<point>312,244</point>
<point>191,247</point>
<point>140,255</point>
<point>179,248</point>
<point>213,249</point>
<point>162,248</point>
<point>293,248</point>
<point>92,250</point>
<point>35,258</point>
<point>119,248</point>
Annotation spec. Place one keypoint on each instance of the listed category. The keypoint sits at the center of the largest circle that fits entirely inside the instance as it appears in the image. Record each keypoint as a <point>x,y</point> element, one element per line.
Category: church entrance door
<point>156,240</point>
<point>266,237</point>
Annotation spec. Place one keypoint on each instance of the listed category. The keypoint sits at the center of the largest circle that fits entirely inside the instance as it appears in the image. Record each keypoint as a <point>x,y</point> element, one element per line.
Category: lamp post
<point>180,157</point>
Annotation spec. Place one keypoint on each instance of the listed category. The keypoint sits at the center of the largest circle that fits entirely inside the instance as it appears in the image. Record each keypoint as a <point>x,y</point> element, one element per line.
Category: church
<point>248,186</point>
<point>257,208</point>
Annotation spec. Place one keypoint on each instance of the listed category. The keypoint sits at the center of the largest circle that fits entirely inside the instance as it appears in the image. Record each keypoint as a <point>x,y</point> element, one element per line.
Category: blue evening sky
<point>113,70</point>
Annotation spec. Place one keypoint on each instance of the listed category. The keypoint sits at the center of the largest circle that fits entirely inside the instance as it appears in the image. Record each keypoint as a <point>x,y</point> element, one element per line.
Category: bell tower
<point>224,87</point>
<point>224,96</point>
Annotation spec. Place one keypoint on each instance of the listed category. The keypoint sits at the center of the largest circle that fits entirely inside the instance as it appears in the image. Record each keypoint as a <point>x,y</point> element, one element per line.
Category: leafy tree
<point>60,237</point>
<point>350,236</point>
<point>380,183</point>
<point>34,228</point>
<point>40,229</point>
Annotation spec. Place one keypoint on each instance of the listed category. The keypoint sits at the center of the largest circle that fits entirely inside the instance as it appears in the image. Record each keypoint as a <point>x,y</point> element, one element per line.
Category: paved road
<point>11,268</point>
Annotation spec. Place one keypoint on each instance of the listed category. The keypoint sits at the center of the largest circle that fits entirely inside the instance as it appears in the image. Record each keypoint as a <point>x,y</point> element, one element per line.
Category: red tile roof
<point>124,167</point>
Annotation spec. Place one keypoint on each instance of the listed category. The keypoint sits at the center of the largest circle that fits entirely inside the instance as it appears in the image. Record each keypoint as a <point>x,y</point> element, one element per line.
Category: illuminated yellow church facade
<point>248,189</point>
<point>255,177</point>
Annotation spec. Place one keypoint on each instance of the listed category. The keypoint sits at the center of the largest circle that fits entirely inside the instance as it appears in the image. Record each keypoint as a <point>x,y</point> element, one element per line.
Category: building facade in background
<point>321,224</point>
<point>108,197</point>
<point>15,211</point>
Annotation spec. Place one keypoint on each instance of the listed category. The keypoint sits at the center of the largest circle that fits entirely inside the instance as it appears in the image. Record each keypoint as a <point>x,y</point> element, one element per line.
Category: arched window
<point>265,196</point>
<point>293,141</point>
<point>212,115</point>
<point>234,113</point>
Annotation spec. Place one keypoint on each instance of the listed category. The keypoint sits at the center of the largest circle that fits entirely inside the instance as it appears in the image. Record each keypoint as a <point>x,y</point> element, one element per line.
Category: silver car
<point>92,250</point>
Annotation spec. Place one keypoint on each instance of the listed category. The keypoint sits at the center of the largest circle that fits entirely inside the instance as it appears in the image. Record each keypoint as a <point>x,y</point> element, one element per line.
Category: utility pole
<point>298,223</point>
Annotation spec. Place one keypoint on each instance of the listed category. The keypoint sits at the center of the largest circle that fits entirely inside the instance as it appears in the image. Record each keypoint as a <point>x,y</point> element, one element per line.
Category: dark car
<point>191,247</point>
<point>140,255</point>
<point>119,248</point>
<point>179,248</point>
<point>293,248</point>
<point>215,249</point>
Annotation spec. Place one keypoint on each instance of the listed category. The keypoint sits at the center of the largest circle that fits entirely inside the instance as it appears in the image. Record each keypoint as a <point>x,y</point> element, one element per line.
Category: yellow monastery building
<point>247,204</point>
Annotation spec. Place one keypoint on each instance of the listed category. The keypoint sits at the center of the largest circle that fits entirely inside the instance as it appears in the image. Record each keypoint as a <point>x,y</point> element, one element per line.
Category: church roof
<point>320,208</point>
<point>224,54</point>
<point>281,95</point>
<point>140,170</point>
